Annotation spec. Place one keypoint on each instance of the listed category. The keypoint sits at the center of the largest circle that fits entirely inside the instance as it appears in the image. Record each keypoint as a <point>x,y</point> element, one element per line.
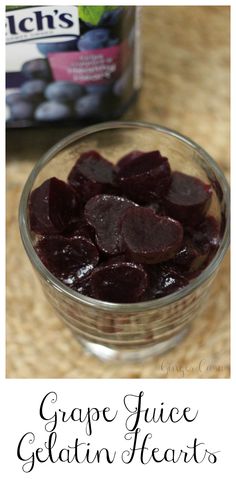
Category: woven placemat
<point>186,88</point>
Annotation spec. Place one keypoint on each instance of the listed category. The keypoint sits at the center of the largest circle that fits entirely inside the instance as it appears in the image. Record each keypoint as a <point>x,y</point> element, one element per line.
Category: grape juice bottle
<point>70,64</point>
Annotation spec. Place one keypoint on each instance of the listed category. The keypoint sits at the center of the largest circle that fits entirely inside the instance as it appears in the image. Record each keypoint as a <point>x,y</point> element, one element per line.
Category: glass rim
<point>105,305</point>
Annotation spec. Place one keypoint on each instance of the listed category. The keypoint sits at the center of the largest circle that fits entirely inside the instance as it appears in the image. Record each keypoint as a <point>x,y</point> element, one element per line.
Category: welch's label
<point>37,23</point>
<point>70,63</point>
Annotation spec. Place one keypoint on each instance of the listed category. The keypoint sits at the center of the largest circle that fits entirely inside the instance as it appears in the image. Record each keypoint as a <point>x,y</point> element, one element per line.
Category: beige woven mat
<point>185,88</point>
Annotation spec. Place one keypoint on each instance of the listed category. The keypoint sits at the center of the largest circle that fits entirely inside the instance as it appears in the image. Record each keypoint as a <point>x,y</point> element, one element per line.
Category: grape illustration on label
<point>70,63</point>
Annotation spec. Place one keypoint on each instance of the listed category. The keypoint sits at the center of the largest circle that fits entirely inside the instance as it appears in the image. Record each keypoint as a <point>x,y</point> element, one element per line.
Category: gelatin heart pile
<point>132,232</point>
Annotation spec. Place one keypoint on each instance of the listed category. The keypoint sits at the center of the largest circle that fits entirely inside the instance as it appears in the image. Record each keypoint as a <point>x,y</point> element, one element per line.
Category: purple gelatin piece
<point>206,236</point>
<point>83,286</point>
<point>164,280</point>
<point>119,258</point>
<point>91,175</point>
<point>104,213</point>
<point>149,238</point>
<point>53,207</point>
<point>80,228</point>
<point>127,159</point>
<point>145,178</point>
<point>189,258</point>
<point>70,260</point>
<point>188,198</point>
<point>157,207</point>
<point>121,282</point>
<point>217,187</point>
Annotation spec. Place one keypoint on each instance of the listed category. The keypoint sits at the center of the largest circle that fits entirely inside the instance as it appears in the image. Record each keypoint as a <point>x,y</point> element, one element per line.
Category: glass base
<point>132,355</point>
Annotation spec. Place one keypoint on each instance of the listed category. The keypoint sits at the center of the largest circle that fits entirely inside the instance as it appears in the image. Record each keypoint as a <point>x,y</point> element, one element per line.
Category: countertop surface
<point>185,87</point>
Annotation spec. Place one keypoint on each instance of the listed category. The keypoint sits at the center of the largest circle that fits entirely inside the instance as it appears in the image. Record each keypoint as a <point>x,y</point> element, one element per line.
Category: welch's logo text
<point>41,22</point>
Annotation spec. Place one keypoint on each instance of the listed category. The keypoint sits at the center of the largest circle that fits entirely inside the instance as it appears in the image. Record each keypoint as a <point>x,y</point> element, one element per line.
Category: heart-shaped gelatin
<point>70,260</point>
<point>104,213</point>
<point>121,282</point>
<point>150,238</point>
<point>188,198</point>
<point>91,175</point>
<point>53,207</point>
<point>145,178</point>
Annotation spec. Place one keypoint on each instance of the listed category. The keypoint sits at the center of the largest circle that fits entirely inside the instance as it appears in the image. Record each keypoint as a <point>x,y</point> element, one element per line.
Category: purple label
<point>90,66</point>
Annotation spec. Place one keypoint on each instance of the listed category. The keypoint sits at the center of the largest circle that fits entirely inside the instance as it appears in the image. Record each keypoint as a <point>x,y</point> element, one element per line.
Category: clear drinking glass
<point>130,331</point>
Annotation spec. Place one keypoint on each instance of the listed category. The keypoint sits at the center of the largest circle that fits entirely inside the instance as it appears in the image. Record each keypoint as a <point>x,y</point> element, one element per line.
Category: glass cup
<point>130,331</point>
